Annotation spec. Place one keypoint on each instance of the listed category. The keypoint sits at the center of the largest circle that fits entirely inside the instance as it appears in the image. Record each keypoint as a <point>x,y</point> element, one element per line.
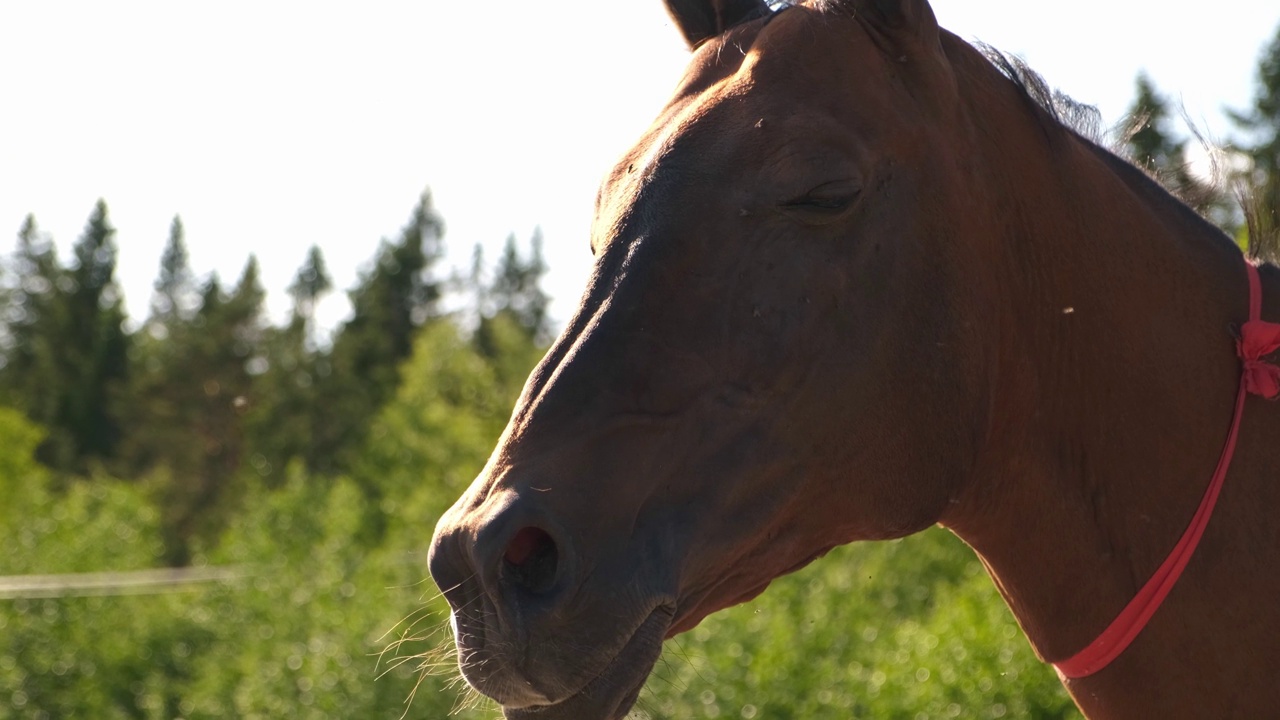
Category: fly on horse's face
<point>771,358</point>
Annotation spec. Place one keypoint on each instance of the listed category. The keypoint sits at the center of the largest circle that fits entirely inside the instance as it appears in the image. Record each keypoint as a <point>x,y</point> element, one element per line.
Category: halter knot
<point>1259,339</point>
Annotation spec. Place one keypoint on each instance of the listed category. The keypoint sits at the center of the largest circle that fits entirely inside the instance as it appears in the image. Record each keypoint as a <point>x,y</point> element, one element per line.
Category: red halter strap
<point>1259,377</point>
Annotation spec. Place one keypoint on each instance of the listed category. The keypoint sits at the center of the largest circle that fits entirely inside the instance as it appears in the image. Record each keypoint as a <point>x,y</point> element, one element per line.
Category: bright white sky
<point>270,126</point>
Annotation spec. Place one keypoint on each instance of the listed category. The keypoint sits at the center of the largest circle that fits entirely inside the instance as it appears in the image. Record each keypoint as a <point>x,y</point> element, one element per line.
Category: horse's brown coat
<point>852,283</point>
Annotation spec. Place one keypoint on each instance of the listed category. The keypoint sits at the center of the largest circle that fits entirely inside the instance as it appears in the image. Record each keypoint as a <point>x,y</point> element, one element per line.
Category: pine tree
<point>310,284</point>
<point>279,428</point>
<point>1153,145</point>
<point>175,287</point>
<point>32,320</point>
<point>1262,124</point>
<point>192,386</point>
<point>516,288</point>
<point>95,350</point>
<point>392,300</point>
<point>221,356</point>
<point>67,360</point>
<point>475,287</point>
<point>161,400</point>
<point>514,297</point>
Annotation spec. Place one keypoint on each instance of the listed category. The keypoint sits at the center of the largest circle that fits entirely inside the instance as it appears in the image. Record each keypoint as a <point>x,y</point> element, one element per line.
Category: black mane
<point>1084,119</point>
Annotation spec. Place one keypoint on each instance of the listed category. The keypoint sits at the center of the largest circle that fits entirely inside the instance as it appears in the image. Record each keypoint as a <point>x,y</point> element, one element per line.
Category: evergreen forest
<point>206,514</point>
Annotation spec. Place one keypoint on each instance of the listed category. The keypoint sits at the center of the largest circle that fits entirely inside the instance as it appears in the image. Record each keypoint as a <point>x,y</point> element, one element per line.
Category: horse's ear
<point>898,18</point>
<point>700,20</point>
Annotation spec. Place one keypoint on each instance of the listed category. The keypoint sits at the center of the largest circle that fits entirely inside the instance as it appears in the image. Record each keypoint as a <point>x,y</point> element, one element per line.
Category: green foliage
<point>287,412</point>
<point>22,480</point>
<point>92,352</point>
<point>32,317</point>
<point>392,300</point>
<point>279,426</point>
<point>514,291</point>
<point>207,388</point>
<point>307,636</point>
<point>906,629</point>
<point>1262,120</point>
<point>101,657</point>
<point>1261,125</point>
<point>311,283</point>
<point>298,638</point>
<point>333,621</point>
<point>175,285</point>
<point>231,452</point>
<point>193,381</point>
<point>427,445</point>
<point>304,634</point>
<point>67,348</point>
<point>95,523</point>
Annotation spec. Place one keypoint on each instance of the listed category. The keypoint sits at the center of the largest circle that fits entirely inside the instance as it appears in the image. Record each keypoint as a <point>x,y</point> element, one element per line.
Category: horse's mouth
<point>612,693</point>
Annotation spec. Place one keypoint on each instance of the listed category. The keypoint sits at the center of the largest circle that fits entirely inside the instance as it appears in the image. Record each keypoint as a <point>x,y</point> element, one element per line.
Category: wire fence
<point>132,582</point>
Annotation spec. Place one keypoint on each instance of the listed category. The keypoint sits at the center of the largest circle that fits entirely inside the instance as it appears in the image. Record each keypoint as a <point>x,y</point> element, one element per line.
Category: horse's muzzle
<point>503,576</point>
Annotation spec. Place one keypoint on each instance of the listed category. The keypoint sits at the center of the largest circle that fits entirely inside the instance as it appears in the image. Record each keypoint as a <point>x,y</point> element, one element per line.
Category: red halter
<point>1259,377</point>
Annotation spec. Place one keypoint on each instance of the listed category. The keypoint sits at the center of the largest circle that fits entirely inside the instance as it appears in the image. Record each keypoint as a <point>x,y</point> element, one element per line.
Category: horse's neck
<point>1116,391</point>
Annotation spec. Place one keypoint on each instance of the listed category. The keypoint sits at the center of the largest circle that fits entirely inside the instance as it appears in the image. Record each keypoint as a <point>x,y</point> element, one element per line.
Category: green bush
<point>906,629</point>
<point>335,617</point>
<point>99,657</point>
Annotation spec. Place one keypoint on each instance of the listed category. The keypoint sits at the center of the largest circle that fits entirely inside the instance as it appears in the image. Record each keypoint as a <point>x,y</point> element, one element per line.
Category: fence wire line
<point>130,582</point>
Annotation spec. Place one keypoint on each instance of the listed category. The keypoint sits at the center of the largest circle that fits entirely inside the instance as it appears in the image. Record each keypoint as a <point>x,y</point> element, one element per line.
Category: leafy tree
<point>83,656</point>
<point>22,481</point>
<point>904,629</point>
<point>334,565</point>
<point>304,633</point>
<point>452,405</point>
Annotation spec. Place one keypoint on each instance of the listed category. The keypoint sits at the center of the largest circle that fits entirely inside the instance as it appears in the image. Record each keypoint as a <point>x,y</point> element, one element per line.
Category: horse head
<point>784,346</point>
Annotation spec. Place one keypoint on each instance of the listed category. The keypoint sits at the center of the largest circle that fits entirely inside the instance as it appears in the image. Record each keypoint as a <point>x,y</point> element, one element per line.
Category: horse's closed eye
<point>820,202</point>
<point>830,198</point>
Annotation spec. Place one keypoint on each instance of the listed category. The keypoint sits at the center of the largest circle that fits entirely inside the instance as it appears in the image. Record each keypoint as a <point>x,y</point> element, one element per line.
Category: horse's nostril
<point>531,560</point>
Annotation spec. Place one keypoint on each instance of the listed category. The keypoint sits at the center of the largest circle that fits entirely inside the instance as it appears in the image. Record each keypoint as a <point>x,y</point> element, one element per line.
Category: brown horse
<point>854,282</point>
